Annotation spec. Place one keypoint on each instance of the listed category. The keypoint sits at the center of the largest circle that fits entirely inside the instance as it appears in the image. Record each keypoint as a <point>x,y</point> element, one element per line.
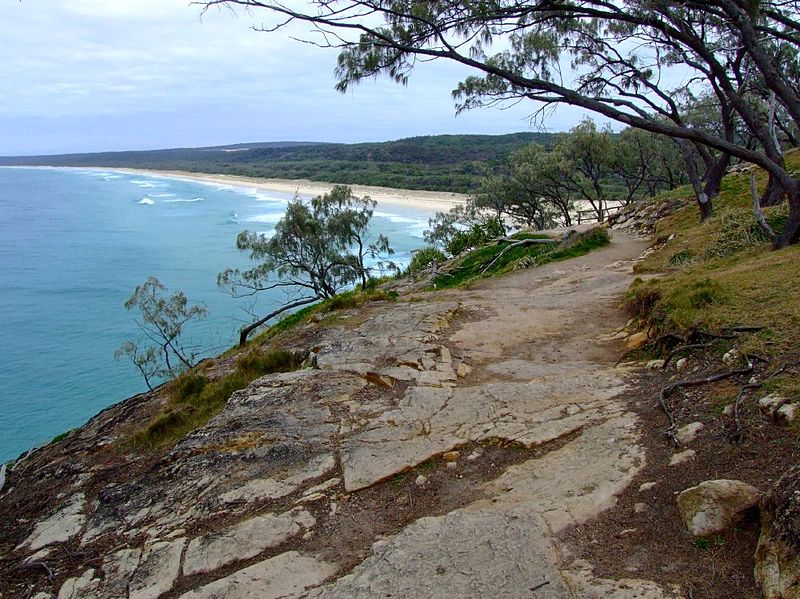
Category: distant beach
<point>439,201</point>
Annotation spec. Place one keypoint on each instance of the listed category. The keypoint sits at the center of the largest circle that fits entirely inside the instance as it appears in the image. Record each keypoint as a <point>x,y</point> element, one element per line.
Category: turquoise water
<point>73,245</point>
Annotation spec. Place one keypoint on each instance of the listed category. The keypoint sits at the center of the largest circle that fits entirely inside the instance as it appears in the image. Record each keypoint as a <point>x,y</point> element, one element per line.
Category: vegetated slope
<point>714,296</point>
<point>442,162</point>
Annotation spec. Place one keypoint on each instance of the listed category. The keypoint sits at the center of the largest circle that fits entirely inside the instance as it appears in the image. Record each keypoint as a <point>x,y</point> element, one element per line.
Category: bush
<point>424,258</point>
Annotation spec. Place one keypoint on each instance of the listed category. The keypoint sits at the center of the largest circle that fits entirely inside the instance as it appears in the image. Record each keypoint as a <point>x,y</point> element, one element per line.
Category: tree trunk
<point>774,193</point>
<point>791,232</point>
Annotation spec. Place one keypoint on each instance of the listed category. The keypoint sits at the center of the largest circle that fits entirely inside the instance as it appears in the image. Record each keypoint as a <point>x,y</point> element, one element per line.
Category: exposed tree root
<point>670,389</point>
<point>683,348</point>
<point>738,434</point>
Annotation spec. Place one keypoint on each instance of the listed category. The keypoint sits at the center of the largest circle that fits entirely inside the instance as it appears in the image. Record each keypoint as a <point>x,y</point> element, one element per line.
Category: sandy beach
<point>438,201</point>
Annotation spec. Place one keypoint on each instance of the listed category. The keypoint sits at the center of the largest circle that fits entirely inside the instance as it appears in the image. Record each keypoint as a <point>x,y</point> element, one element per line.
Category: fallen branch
<point>513,244</point>
<point>670,389</point>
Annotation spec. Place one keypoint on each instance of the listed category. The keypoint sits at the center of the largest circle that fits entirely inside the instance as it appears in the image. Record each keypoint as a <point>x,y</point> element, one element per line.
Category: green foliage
<point>454,163</point>
<point>492,260</point>
<point>424,258</point>
<point>160,355</point>
<point>194,399</point>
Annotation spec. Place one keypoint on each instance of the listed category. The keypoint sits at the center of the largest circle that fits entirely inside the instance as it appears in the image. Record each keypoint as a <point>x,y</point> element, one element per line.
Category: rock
<point>646,486</point>
<point>451,456</point>
<point>463,370</point>
<point>637,340</point>
<point>475,455</point>
<point>158,569</point>
<point>60,527</point>
<point>243,541</point>
<point>730,357</point>
<point>42,595</point>
<point>770,403</point>
<point>682,457</point>
<point>444,355</point>
<point>681,364</point>
<point>777,568</point>
<point>452,465</point>
<point>118,569</point>
<point>728,410</point>
<point>285,575</point>
<point>655,364</point>
<point>420,480</point>
<point>714,506</point>
<point>640,508</point>
<point>786,414</point>
<point>79,588</point>
<point>687,434</point>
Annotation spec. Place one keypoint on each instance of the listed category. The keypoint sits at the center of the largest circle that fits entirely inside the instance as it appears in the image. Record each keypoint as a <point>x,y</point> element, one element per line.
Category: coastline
<point>439,201</point>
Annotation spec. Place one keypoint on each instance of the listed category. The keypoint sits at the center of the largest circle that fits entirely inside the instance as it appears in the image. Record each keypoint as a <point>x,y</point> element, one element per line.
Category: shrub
<point>424,258</point>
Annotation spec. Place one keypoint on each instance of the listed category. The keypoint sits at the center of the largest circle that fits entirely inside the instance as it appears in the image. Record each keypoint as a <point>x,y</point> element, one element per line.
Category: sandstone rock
<point>451,456</point>
<point>444,355</point>
<point>637,340</point>
<point>777,568</point>
<point>242,541</point>
<point>60,527</point>
<point>655,364</point>
<point>682,457</point>
<point>283,576</point>
<point>646,486</point>
<point>690,432</point>
<point>714,506</point>
<point>786,414</point>
<point>681,364</point>
<point>42,596</point>
<point>463,370</point>
<point>83,587</point>
<point>118,569</point>
<point>769,403</point>
<point>158,569</point>
<point>730,357</point>
<point>420,480</point>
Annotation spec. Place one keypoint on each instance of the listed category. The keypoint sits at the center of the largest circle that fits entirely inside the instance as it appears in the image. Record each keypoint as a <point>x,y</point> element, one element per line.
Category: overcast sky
<point>93,75</point>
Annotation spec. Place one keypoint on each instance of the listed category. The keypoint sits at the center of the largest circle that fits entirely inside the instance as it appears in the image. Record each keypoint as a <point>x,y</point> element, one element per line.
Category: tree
<point>621,53</point>
<point>161,318</point>
<point>309,254</point>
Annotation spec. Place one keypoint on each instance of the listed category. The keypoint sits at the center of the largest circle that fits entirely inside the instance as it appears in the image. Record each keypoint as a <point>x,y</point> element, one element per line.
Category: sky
<point>98,75</point>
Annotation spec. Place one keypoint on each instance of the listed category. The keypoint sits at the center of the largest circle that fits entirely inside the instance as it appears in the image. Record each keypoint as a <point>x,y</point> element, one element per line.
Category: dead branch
<point>670,389</point>
<point>682,348</point>
<point>515,243</point>
<point>757,208</point>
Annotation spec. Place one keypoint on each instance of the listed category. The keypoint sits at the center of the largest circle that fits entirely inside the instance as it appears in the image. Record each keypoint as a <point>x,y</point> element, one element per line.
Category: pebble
<point>646,486</point>
<point>452,465</point>
<point>684,456</point>
<point>420,480</point>
<point>451,456</point>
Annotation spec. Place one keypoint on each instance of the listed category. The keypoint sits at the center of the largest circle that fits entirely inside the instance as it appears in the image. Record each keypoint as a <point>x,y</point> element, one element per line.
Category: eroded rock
<point>158,569</point>
<point>714,506</point>
<point>777,568</point>
<point>61,526</point>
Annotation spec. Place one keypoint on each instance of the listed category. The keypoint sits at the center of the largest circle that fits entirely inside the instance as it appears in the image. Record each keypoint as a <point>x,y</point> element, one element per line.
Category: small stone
<point>463,370</point>
<point>683,456</point>
<point>655,364</point>
<point>452,465</point>
<point>681,364</point>
<point>714,506</point>
<point>640,508</point>
<point>646,486</point>
<point>690,432</point>
<point>730,357</point>
<point>728,410</point>
<point>334,508</point>
<point>636,340</point>
<point>444,355</point>
<point>769,403</point>
<point>451,456</point>
<point>786,414</point>
<point>474,455</point>
<point>401,500</point>
<point>420,480</point>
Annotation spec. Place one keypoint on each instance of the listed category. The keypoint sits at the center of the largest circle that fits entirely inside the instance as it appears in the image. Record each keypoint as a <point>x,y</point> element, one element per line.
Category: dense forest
<point>455,163</point>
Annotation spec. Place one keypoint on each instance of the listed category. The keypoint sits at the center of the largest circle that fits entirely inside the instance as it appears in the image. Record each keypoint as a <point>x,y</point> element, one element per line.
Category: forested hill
<point>440,162</point>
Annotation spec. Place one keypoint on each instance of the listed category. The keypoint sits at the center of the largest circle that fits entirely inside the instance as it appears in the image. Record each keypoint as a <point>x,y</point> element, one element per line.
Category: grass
<point>722,273</point>
<point>194,398</point>
<point>474,265</point>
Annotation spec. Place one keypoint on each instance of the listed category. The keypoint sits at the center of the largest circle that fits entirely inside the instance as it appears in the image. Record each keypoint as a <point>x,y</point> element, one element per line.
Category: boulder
<point>786,414</point>
<point>714,506</point>
<point>777,568</point>
<point>687,434</point>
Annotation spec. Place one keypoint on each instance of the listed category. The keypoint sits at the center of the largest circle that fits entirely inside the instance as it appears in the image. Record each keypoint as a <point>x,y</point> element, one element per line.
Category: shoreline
<point>437,201</point>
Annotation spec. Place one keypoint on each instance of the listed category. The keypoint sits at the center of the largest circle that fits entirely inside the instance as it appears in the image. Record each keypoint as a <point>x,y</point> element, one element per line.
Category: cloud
<point>116,74</point>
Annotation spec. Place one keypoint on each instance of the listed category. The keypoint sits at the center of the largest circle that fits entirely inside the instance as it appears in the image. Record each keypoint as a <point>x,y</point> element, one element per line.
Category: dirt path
<point>438,449</point>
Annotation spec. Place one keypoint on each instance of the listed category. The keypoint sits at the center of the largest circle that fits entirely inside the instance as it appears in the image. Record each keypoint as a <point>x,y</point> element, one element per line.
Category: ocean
<point>73,245</point>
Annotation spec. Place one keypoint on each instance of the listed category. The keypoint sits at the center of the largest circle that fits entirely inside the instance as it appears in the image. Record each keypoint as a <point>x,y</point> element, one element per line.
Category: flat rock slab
<point>463,554</point>
<point>243,540</point>
<point>158,569</point>
<point>61,526</point>
<point>284,576</point>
